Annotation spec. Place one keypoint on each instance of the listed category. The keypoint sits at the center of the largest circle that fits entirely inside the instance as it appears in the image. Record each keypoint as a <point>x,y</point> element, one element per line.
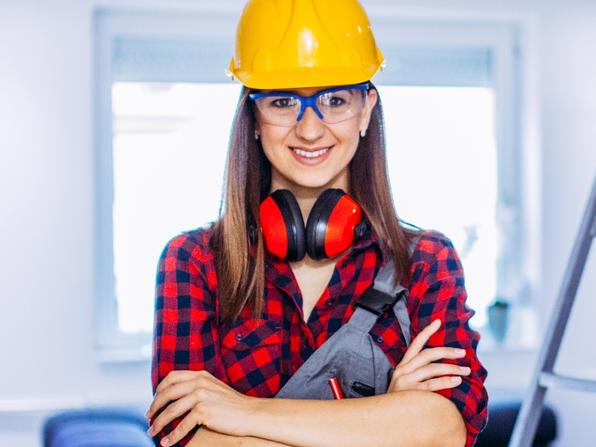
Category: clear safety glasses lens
<point>285,109</point>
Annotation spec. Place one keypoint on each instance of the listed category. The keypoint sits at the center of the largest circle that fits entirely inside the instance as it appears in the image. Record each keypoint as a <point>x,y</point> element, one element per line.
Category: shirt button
<point>380,340</point>
<point>329,302</point>
<point>239,337</point>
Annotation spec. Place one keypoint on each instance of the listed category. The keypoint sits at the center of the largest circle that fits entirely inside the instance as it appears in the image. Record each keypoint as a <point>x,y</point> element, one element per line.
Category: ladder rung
<point>552,380</point>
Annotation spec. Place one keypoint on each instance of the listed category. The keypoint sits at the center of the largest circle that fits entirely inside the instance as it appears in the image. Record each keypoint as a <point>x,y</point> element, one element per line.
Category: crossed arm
<point>409,414</point>
<point>405,418</point>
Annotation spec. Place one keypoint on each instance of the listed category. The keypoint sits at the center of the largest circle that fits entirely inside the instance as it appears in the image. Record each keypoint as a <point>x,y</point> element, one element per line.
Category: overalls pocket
<point>251,353</point>
<point>355,364</point>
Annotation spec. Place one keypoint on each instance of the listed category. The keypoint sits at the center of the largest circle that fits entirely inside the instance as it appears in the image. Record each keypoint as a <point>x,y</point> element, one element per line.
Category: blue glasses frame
<point>309,101</point>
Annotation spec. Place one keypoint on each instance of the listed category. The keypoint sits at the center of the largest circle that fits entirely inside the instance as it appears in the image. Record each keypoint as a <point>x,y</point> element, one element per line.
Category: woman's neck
<point>307,196</point>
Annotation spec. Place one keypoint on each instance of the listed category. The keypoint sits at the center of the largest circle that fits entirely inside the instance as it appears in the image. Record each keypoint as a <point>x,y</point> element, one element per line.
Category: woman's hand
<point>416,372</point>
<point>207,400</point>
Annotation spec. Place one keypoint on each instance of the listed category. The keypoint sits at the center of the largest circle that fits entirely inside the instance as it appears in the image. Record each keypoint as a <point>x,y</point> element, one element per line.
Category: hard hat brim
<point>304,78</point>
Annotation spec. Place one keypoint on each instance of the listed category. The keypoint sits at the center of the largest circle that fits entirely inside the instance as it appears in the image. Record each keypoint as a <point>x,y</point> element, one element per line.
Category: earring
<point>362,133</point>
<point>256,134</point>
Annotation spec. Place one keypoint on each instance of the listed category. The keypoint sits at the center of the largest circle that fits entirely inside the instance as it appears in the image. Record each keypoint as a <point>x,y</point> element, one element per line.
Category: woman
<point>261,305</point>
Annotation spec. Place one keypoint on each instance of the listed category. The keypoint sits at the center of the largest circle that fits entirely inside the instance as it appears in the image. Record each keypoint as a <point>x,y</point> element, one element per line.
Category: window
<point>168,154</point>
<point>161,97</point>
<point>164,107</point>
<point>445,179</point>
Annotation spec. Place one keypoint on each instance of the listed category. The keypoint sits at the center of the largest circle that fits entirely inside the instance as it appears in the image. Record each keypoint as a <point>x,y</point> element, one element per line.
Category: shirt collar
<point>369,238</point>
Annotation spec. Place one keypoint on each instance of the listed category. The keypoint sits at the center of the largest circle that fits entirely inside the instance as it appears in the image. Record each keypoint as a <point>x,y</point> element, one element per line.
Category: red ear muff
<point>282,225</point>
<point>331,224</point>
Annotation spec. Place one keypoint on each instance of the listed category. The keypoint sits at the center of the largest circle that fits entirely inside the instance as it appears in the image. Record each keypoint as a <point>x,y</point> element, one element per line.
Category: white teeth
<point>310,154</point>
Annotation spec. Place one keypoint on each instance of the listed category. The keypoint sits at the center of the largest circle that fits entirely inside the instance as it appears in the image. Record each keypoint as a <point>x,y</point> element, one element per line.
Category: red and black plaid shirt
<point>258,356</point>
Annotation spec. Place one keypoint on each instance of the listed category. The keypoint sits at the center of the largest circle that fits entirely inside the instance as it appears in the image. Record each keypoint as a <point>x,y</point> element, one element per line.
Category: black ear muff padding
<point>316,226</point>
<point>292,216</point>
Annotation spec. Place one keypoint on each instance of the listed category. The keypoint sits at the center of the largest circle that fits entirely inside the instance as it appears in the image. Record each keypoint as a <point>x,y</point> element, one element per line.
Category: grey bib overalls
<point>351,354</point>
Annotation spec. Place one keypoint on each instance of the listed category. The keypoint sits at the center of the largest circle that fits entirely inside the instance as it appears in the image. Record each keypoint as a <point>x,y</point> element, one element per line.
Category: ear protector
<point>333,223</point>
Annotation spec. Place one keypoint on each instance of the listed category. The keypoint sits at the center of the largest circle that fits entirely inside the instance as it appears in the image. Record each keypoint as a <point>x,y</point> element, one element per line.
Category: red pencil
<point>335,388</point>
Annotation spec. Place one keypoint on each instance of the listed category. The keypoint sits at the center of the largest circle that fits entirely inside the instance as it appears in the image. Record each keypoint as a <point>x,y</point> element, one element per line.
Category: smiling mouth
<point>311,153</point>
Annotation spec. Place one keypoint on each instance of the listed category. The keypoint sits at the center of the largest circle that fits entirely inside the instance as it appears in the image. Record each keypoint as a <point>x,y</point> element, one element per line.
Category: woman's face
<point>313,154</point>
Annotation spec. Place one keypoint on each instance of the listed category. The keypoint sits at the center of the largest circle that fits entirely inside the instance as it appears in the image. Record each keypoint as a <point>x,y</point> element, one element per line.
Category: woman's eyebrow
<point>277,91</point>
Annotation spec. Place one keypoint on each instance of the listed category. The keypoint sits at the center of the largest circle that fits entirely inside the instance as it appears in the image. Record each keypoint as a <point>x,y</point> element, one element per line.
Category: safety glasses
<point>331,105</point>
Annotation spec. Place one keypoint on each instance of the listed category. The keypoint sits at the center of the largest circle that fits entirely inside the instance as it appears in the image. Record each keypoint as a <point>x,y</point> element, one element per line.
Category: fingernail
<point>437,323</point>
<point>460,351</point>
<point>150,431</point>
<point>465,369</point>
<point>165,442</point>
<point>455,379</point>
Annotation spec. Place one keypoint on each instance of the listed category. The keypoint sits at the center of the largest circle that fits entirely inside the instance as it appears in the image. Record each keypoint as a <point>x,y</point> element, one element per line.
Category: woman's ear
<point>367,111</point>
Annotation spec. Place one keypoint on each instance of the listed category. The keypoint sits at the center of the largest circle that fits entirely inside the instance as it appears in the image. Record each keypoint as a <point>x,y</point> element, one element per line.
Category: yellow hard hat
<point>304,43</point>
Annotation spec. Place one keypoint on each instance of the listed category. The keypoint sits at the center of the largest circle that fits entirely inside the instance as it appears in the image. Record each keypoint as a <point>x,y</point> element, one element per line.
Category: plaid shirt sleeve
<point>185,329</point>
<point>438,291</point>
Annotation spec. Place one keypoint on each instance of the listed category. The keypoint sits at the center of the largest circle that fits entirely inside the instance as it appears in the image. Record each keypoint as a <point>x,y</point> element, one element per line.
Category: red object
<point>335,388</point>
<point>341,223</point>
<point>329,230</point>
<point>274,228</point>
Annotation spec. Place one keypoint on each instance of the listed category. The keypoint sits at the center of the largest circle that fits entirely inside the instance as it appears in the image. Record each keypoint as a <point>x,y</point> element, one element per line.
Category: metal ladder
<point>544,376</point>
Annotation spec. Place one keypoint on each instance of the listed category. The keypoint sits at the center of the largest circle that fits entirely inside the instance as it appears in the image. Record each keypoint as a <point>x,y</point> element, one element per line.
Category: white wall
<point>47,220</point>
<point>569,165</point>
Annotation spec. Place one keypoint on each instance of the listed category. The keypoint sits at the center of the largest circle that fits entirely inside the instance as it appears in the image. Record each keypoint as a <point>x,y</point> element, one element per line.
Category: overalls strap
<point>350,354</point>
<point>383,296</point>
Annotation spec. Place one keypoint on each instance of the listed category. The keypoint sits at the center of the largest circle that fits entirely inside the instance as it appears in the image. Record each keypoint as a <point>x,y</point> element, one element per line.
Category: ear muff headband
<point>282,225</point>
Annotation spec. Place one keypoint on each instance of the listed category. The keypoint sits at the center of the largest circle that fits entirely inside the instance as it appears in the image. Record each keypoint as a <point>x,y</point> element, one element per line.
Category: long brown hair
<point>240,265</point>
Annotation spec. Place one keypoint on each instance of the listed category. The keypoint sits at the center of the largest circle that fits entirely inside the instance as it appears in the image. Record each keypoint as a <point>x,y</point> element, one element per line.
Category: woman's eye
<point>337,101</point>
<point>283,102</point>
<point>332,101</point>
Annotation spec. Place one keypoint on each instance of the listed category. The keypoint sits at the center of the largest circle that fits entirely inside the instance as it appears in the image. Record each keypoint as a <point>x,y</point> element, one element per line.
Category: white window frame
<point>208,25</point>
<point>217,25</point>
<point>518,160</point>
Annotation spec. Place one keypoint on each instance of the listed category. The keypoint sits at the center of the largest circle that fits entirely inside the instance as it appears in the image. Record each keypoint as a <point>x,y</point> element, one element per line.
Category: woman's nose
<point>310,127</point>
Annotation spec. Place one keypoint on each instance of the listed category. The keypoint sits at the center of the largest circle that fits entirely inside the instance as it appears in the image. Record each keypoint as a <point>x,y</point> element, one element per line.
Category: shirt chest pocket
<point>387,334</point>
<point>251,353</point>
